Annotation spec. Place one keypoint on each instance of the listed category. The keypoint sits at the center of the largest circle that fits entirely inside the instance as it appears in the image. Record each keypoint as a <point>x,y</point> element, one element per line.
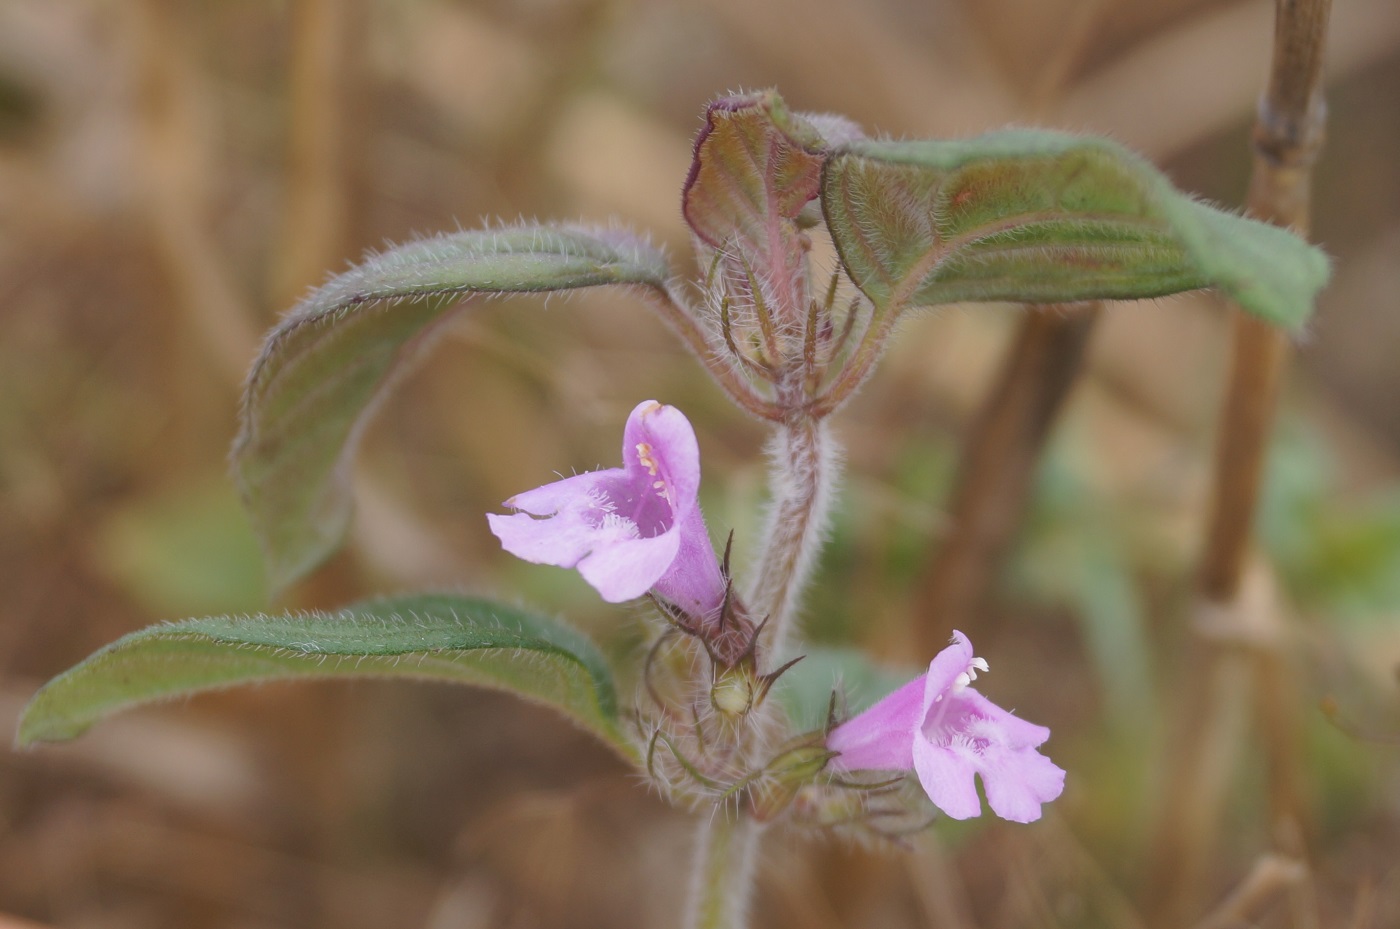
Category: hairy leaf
<point>755,167</point>
<point>1039,216</point>
<point>460,640</point>
<point>331,359</point>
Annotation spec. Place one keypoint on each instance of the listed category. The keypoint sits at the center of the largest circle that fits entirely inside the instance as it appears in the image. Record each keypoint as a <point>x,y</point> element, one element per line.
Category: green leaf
<point>459,640</point>
<point>328,363</point>
<point>1042,217</point>
<point>804,691</point>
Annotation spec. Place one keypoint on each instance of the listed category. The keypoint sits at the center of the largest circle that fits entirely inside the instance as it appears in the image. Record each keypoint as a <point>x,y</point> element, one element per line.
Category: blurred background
<point>174,175</point>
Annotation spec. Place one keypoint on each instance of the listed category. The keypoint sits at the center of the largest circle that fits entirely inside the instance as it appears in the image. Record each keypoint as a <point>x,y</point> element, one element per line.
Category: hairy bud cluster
<point>792,346</point>
<point>706,677</point>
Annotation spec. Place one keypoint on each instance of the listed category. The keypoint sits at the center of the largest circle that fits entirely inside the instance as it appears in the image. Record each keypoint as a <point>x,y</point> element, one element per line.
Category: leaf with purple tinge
<point>1042,217</point>
<point>756,165</point>
<point>333,357</point>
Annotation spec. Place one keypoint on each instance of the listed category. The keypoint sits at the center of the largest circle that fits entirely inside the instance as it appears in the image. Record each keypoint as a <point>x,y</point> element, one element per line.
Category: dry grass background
<point>172,175</point>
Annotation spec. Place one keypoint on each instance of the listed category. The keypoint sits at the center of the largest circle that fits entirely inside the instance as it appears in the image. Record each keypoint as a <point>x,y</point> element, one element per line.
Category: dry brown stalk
<point>170,118</point>
<point>1238,650</point>
<point>1270,876</point>
<point>998,462</point>
<point>316,212</point>
<point>938,889</point>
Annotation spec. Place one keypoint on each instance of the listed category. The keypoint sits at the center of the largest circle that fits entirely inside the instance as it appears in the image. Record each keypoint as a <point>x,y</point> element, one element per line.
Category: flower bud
<point>735,691</point>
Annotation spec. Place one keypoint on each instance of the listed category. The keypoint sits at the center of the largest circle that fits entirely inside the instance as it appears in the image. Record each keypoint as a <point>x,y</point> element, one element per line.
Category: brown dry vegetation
<point>172,175</point>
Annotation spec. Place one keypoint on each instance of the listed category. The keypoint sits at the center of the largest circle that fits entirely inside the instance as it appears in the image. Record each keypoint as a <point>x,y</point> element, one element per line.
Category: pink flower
<point>629,529</point>
<point>947,732</point>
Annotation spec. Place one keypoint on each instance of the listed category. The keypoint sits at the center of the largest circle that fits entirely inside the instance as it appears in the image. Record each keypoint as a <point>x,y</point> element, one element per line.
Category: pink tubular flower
<point>629,529</point>
<point>947,732</point>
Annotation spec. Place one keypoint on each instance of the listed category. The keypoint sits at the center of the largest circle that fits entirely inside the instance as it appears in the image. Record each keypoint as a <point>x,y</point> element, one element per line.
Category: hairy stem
<point>1243,649</point>
<point>803,472</point>
<point>998,465</point>
<point>722,881</point>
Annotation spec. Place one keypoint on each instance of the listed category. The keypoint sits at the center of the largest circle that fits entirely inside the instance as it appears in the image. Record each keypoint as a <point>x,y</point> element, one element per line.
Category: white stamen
<point>970,675</point>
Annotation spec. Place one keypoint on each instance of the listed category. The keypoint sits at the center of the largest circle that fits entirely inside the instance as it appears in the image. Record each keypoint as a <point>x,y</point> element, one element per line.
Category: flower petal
<point>559,540</point>
<point>673,453</point>
<point>1000,746</point>
<point>1015,731</point>
<point>693,581</point>
<point>577,492</point>
<point>943,671</point>
<point>624,570</point>
<point>948,779</point>
<point>1018,782</point>
<point>882,737</point>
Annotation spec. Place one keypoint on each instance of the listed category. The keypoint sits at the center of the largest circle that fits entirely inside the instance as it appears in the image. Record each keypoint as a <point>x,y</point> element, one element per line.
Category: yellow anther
<point>644,456</point>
